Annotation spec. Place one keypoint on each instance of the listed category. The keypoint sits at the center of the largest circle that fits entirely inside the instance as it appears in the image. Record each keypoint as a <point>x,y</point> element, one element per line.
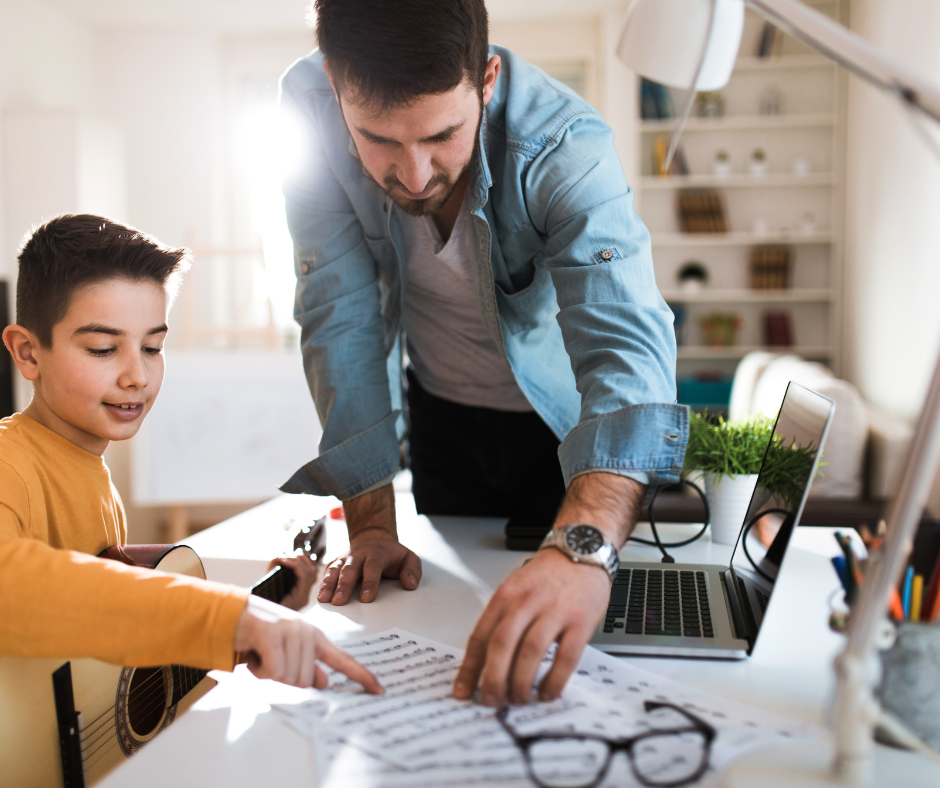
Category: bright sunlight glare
<point>268,146</point>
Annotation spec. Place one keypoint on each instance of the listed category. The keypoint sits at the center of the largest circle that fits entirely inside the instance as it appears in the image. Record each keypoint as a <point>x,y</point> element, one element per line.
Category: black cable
<point>747,528</point>
<point>657,542</point>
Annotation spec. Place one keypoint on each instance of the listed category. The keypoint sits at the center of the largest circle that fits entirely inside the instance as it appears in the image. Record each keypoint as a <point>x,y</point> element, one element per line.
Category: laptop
<point>711,611</point>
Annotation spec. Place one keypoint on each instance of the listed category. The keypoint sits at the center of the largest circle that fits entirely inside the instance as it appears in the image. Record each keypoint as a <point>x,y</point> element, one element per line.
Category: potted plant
<point>729,455</point>
<point>721,167</point>
<point>720,329</point>
<point>758,163</point>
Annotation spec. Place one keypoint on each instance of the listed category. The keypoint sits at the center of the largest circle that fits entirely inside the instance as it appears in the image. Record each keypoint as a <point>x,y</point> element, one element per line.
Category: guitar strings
<point>111,735</point>
<point>96,746</point>
<point>108,712</point>
<point>152,687</point>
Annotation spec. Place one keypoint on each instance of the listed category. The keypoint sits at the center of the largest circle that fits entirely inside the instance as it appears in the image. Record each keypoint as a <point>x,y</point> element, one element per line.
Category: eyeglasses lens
<point>567,763</point>
<point>670,759</point>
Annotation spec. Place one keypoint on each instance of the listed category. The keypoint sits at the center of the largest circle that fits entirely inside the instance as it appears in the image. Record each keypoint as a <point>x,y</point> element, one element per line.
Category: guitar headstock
<point>311,540</point>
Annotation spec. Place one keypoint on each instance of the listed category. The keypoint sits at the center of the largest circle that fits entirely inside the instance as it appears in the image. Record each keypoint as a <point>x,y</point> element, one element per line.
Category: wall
<point>48,61</point>
<point>893,236</point>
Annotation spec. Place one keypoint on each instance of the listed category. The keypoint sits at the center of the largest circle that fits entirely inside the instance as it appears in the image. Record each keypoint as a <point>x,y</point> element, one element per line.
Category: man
<point>453,190</point>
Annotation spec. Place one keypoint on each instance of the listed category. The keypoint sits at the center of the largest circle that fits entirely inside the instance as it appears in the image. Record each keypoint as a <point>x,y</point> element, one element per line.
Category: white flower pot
<point>728,499</point>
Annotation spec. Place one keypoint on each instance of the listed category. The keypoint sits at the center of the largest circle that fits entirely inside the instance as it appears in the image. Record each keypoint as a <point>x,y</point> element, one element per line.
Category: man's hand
<point>305,571</point>
<point>550,599</point>
<point>280,645</point>
<point>374,551</point>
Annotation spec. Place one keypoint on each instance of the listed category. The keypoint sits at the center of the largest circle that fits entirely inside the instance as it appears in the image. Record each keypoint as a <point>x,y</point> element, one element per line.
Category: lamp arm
<point>851,51</point>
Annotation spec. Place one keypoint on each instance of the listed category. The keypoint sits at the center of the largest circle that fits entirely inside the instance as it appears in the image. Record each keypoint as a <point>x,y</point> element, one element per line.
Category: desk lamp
<point>692,44</point>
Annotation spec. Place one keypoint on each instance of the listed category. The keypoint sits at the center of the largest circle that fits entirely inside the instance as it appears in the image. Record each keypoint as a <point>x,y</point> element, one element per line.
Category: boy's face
<point>105,367</point>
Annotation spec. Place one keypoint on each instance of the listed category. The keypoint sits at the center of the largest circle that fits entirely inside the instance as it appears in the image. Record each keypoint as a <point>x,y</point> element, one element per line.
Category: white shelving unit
<point>803,212</point>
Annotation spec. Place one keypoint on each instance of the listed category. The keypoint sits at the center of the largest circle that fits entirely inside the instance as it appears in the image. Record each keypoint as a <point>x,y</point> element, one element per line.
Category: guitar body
<point>116,709</point>
<point>69,723</point>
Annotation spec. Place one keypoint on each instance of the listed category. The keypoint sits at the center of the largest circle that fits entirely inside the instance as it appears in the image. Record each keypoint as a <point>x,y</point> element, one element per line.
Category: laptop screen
<point>787,471</point>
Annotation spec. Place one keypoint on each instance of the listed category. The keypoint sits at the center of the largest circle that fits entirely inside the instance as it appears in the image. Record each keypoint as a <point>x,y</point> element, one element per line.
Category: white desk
<point>231,738</point>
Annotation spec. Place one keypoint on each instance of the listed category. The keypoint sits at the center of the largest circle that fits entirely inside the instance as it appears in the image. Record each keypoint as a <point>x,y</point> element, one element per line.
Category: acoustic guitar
<point>69,723</point>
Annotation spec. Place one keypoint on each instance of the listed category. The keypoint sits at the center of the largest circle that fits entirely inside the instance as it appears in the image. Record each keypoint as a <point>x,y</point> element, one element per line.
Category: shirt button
<point>304,268</point>
<point>607,254</point>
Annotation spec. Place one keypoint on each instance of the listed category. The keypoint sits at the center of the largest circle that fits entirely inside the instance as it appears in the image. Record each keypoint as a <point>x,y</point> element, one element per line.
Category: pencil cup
<point>728,499</point>
<point>910,680</point>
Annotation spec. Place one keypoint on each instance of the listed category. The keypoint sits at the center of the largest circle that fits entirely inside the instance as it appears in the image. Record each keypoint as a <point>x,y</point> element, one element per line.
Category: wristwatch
<point>584,544</point>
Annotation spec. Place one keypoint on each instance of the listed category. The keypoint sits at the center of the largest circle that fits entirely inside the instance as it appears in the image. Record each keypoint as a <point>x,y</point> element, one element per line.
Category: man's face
<point>105,367</point>
<point>419,151</point>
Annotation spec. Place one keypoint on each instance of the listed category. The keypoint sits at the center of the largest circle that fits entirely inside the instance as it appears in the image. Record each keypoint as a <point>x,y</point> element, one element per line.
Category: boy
<point>92,301</point>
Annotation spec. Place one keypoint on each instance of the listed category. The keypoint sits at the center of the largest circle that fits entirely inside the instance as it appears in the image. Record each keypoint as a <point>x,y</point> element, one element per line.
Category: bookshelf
<point>797,203</point>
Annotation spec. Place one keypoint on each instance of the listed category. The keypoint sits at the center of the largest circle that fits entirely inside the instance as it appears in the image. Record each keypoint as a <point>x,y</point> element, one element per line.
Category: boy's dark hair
<point>72,251</point>
<point>393,51</point>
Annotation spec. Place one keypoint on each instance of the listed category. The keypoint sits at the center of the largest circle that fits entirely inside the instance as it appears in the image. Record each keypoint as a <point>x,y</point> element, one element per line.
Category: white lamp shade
<point>663,40</point>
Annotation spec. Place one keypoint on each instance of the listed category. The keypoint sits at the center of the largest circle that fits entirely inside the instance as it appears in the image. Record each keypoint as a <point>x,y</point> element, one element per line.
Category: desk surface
<point>231,737</point>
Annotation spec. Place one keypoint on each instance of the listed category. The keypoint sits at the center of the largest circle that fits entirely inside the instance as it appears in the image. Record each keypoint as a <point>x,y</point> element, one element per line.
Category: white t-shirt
<point>452,354</point>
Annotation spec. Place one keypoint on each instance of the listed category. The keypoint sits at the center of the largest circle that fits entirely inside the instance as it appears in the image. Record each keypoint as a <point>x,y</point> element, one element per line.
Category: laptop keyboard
<point>660,602</point>
<point>761,600</point>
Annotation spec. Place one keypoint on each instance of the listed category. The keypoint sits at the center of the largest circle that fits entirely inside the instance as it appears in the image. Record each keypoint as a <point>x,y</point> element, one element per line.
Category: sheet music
<point>418,735</point>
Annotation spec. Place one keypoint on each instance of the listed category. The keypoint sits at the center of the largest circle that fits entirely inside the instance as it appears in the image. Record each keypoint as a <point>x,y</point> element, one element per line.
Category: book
<point>769,267</point>
<point>778,329</point>
<point>701,211</point>
<point>770,41</point>
<point>679,165</point>
<point>655,101</point>
<point>648,110</point>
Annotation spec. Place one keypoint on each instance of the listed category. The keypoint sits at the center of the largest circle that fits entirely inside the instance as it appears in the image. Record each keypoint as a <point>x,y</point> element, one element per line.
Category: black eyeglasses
<point>674,751</point>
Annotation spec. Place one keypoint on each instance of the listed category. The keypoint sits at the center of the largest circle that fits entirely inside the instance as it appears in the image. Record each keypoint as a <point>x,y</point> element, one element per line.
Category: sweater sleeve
<point>63,603</point>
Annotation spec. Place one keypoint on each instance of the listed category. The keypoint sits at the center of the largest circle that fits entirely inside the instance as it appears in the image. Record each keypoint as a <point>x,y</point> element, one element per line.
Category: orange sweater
<point>58,509</point>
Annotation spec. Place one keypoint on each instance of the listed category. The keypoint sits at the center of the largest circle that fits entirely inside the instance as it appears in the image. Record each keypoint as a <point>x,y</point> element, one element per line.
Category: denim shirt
<point>562,272</point>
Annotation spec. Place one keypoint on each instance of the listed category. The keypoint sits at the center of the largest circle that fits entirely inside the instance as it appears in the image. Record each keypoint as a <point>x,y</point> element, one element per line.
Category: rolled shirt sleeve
<point>616,328</point>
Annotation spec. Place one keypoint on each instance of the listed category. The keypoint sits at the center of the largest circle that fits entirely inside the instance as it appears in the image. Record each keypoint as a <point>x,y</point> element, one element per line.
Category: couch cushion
<point>845,447</point>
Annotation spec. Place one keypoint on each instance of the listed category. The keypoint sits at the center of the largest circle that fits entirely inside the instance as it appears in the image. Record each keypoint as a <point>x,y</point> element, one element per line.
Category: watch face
<point>584,539</point>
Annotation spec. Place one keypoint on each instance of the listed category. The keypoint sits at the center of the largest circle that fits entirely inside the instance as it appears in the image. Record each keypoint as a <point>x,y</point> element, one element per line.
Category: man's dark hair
<point>393,51</point>
<point>72,251</point>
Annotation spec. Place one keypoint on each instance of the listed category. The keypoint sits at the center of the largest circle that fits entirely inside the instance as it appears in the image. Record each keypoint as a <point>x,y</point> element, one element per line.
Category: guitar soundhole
<point>140,706</point>
<point>146,700</point>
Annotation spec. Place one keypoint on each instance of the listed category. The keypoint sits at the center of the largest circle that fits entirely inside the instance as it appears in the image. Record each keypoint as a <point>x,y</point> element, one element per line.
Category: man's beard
<point>429,205</point>
<point>393,187</point>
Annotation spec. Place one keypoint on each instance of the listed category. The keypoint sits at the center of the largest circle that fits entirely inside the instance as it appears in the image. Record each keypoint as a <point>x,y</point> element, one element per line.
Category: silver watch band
<point>605,556</point>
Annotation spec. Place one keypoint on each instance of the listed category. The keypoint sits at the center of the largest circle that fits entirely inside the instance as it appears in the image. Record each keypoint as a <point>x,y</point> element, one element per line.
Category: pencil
<point>897,609</point>
<point>851,569</point>
<point>917,595</point>
<point>906,592</point>
<point>838,563</point>
<point>931,605</point>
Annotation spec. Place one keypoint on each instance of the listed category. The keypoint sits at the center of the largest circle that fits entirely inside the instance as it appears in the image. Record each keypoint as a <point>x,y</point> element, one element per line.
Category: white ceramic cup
<point>728,499</point>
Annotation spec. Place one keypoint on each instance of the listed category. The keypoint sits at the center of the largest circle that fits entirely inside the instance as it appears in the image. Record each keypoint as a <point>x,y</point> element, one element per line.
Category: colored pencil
<point>917,596</point>
<point>931,607</point>
<point>906,593</point>
<point>838,563</point>
<point>894,604</point>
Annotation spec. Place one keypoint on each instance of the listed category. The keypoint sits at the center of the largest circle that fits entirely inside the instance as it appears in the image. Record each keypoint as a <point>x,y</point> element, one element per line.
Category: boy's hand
<point>306,571</point>
<point>280,645</point>
<point>374,551</point>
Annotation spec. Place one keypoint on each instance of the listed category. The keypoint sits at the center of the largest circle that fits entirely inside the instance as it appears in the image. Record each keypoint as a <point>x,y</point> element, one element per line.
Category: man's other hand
<point>550,599</point>
<point>305,571</point>
<point>374,551</point>
<point>279,644</point>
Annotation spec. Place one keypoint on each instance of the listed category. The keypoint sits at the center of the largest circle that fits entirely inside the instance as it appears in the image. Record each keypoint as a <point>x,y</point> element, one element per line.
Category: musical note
<point>418,735</point>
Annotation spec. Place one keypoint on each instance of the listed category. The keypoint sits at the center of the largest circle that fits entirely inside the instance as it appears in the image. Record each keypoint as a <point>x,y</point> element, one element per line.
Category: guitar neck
<point>276,584</point>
